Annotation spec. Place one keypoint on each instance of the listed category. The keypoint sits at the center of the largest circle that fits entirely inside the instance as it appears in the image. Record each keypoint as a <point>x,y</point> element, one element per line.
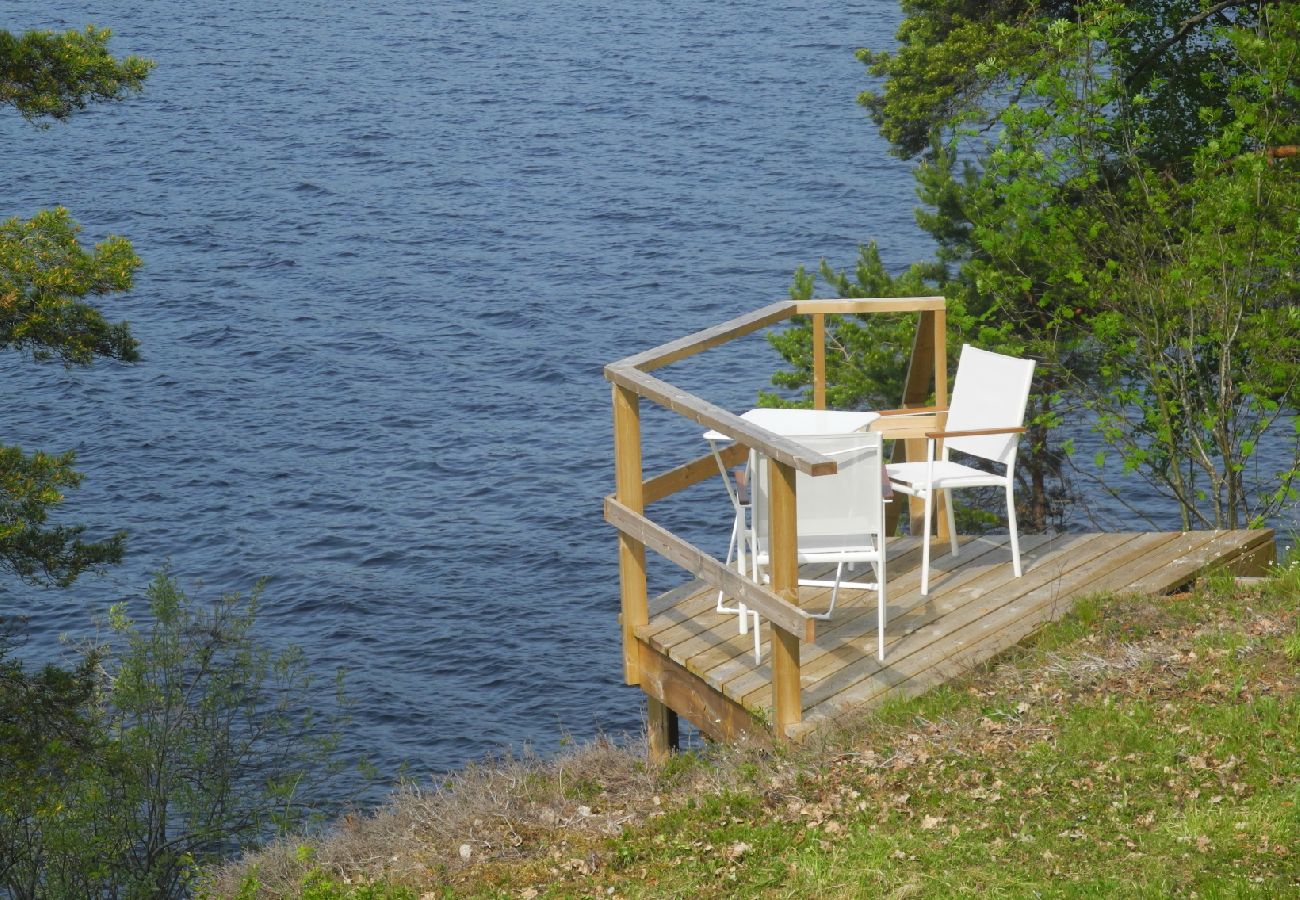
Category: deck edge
<point>716,716</point>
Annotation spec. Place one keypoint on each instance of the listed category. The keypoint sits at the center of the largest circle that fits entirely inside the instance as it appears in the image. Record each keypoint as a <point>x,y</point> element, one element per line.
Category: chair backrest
<point>991,391</point>
<point>848,503</point>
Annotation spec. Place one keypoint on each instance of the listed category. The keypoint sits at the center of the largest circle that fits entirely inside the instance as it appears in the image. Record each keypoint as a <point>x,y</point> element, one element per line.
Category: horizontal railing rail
<point>769,444</point>
<point>779,611</point>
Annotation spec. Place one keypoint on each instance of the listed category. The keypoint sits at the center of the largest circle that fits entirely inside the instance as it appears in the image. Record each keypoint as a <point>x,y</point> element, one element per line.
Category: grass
<point>1141,747</point>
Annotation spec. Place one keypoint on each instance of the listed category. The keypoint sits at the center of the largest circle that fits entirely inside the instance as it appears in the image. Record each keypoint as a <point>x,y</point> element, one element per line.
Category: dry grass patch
<point>504,808</point>
<point>553,816</point>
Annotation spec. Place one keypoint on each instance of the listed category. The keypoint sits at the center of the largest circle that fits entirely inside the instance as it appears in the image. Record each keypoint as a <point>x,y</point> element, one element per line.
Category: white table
<point>787,423</point>
<point>794,422</point>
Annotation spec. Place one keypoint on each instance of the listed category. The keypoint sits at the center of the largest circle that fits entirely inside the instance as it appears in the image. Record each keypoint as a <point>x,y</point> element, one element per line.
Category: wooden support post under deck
<point>631,553</point>
<point>819,360</point>
<point>787,704</point>
<point>661,730</point>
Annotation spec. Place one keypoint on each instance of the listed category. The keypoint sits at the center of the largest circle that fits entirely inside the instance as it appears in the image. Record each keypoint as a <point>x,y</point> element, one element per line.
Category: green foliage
<point>30,486</point>
<point>867,355</point>
<point>1164,301</point>
<point>1291,645</point>
<point>950,63</point>
<point>45,74</point>
<point>45,278</point>
<point>61,766</point>
<point>1095,178</point>
<point>320,886</point>
<point>44,274</point>
<point>51,749</point>
<point>187,739</point>
<point>182,741</point>
<point>961,63</point>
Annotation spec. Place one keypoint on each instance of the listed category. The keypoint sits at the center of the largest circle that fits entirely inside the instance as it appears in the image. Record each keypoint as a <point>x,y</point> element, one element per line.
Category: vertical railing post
<point>819,360</point>
<point>787,702</point>
<point>631,553</point>
<point>916,389</point>
<point>940,341</point>
<point>929,359</point>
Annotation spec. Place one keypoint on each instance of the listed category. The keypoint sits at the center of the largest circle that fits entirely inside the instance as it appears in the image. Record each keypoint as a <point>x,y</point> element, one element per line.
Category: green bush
<point>181,741</point>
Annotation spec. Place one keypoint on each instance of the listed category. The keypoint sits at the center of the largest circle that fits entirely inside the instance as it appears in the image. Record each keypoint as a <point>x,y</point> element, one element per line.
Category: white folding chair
<point>985,419</point>
<point>840,518</point>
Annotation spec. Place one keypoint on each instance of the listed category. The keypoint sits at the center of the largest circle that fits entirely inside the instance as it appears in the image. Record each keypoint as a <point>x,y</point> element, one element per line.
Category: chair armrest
<point>913,411</point>
<point>907,424</point>
<point>904,427</point>
<point>937,435</point>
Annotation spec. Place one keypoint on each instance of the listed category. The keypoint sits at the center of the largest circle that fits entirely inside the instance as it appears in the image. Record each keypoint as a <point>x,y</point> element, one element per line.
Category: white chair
<point>985,419</point>
<point>840,517</point>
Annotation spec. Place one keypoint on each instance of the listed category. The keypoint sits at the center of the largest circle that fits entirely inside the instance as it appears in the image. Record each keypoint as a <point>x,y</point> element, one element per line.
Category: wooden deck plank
<point>709,711</point>
<point>688,618</point>
<point>701,658</point>
<point>857,621</point>
<point>1222,549</point>
<point>1085,583</point>
<point>694,627</point>
<point>925,633</point>
<point>1067,566</point>
<point>662,627</point>
<point>664,602</point>
<point>818,597</point>
<point>991,555</point>
<point>976,609</point>
<point>1179,544</point>
<point>698,653</point>
<point>980,637</point>
<point>750,685</point>
<point>673,615</point>
<point>980,559</point>
<point>903,571</point>
<point>676,610</point>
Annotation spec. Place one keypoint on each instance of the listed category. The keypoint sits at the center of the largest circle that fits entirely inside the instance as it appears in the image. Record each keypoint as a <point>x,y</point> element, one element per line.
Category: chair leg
<point>743,545</point>
<point>952,521</point>
<point>835,591</point>
<point>758,651</point>
<point>756,573</point>
<point>1011,526</point>
<point>881,609</point>
<point>734,547</point>
<point>925,547</point>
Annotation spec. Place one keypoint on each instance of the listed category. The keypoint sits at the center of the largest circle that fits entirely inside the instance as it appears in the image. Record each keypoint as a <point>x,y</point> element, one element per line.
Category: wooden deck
<point>693,660</point>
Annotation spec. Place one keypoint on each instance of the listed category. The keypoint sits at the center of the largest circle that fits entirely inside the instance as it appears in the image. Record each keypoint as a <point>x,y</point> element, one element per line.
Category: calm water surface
<point>388,248</point>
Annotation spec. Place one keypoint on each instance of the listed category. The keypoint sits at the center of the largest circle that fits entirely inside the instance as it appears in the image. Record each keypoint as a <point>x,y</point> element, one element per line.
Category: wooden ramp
<point>694,661</point>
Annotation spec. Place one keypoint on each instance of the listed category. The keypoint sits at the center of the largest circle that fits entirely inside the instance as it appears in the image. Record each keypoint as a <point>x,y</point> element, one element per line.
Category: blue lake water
<point>388,249</point>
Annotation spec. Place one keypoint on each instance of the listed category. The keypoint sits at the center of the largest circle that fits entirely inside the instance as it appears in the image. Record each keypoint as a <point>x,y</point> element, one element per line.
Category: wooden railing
<point>625,509</point>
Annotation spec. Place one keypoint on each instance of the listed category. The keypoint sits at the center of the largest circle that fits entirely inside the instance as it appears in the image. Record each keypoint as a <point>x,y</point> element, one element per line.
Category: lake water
<point>388,249</point>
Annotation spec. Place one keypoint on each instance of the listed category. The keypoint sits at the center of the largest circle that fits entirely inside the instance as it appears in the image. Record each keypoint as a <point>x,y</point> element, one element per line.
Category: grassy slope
<point>1139,748</point>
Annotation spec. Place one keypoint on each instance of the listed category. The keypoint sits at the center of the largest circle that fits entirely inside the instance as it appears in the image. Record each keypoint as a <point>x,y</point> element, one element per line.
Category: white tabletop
<point>794,422</point>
